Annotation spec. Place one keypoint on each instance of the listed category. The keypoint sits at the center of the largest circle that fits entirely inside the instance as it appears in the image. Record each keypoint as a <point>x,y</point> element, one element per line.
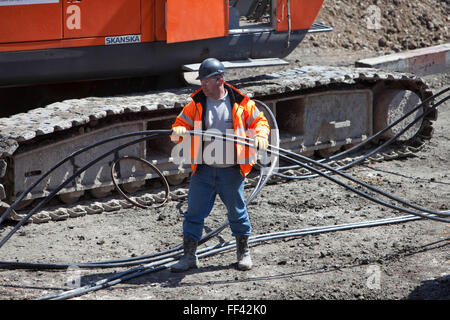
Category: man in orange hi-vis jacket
<point>219,167</point>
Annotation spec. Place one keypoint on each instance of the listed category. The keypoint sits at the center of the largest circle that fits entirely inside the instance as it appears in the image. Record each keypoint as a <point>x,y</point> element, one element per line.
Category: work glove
<point>261,142</point>
<point>177,132</point>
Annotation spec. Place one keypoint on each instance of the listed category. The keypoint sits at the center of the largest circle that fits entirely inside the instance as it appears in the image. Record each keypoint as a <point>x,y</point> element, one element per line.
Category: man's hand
<point>177,132</point>
<point>261,142</point>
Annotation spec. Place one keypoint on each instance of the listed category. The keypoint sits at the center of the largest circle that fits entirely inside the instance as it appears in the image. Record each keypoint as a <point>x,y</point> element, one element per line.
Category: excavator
<point>72,73</point>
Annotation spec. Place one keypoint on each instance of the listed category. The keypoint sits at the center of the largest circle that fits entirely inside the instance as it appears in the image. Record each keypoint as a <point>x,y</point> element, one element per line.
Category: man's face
<point>211,86</point>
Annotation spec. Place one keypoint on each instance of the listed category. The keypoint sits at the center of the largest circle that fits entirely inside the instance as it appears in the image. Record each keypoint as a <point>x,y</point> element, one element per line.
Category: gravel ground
<point>399,261</point>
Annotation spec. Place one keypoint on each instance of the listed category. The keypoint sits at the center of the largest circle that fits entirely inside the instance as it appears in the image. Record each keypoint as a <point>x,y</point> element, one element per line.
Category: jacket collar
<point>235,96</point>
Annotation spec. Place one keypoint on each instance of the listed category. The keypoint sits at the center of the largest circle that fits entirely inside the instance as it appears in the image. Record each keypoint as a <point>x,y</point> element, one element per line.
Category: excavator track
<point>318,110</point>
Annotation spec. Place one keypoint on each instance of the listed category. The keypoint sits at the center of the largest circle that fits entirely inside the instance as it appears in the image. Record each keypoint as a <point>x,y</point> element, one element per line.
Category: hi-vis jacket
<point>248,121</point>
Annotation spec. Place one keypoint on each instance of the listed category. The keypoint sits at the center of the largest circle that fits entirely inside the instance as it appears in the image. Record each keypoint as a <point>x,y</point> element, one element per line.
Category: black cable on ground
<point>215,249</point>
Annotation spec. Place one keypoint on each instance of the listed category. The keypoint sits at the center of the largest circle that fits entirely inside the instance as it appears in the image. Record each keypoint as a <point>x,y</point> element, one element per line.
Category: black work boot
<point>189,260</point>
<point>244,260</point>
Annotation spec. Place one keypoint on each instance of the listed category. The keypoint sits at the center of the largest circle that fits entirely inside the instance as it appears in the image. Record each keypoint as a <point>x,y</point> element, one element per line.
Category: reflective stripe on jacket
<point>248,121</point>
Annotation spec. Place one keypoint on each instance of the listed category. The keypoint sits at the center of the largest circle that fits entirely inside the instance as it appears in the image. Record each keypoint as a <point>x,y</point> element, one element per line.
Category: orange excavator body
<point>77,42</point>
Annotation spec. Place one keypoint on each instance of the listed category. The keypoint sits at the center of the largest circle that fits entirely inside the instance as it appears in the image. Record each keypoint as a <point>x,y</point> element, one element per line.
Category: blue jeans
<point>205,184</point>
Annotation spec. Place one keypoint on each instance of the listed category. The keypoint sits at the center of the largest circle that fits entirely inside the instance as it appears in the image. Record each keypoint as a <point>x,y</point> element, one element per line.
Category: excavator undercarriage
<point>319,110</point>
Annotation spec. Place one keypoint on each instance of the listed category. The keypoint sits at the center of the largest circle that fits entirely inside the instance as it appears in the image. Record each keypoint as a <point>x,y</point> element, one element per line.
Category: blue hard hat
<point>209,68</point>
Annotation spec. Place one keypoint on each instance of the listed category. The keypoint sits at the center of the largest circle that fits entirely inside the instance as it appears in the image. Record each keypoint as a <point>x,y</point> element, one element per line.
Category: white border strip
<point>4,3</point>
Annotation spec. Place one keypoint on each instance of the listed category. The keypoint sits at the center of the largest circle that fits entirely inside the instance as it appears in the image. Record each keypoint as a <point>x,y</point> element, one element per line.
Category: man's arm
<point>257,122</point>
<point>182,123</point>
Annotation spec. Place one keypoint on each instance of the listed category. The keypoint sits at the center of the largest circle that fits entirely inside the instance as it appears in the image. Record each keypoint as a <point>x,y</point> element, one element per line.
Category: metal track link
<point>110,204</point>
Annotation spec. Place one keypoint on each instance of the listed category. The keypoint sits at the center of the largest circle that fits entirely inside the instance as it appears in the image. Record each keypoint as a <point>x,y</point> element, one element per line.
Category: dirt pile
<point>387,25</point>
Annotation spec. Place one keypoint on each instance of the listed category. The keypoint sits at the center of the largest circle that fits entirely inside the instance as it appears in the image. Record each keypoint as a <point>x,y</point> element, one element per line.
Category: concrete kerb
<point>423,61</point>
